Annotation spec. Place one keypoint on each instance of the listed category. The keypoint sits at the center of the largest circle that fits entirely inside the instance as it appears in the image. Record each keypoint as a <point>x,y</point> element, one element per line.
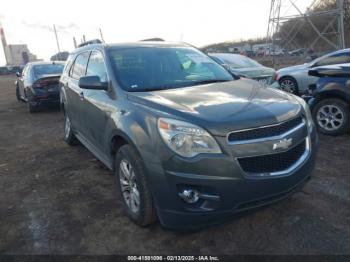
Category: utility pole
<point>75,42</point>
<point>101,35</point>
<point>340,5</point>
<point>58,45</point>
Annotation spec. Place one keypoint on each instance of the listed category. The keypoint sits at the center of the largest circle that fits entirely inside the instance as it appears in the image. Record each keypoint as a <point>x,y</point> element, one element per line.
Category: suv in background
<point>329,99</point>
<point>187,142</point>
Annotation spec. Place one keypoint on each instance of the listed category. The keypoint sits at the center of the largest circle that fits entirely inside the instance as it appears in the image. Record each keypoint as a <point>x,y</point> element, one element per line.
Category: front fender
<point>138,129</point>
<point>334,89</point>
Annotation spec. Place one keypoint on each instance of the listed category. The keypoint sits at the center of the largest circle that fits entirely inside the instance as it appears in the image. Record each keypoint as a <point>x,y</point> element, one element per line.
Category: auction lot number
<point>173,258</point>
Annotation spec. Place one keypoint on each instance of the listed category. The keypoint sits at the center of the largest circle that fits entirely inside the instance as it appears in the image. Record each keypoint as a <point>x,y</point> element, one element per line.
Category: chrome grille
<point>263,132</point>
<point>274,162</point>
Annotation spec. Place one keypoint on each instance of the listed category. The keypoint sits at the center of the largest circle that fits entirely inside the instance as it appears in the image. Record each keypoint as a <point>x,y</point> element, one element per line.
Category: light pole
<point>58,45</point>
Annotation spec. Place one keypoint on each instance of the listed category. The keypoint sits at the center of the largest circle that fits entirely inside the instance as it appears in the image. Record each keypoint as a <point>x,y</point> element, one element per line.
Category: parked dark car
<point>8,70</point>
<point>38,84</point>
<point>4,70</point>
<point>329,99</point>
<point>187,142</point>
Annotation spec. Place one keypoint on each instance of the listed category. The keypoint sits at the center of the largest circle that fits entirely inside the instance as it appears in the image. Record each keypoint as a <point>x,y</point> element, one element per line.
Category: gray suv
<point>189,143</point>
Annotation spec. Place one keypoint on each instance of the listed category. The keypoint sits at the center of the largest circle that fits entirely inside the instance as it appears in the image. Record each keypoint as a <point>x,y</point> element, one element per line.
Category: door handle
<point>81,95</point>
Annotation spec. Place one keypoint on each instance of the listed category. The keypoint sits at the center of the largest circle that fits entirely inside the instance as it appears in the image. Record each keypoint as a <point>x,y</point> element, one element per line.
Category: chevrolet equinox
<point>189,143</point>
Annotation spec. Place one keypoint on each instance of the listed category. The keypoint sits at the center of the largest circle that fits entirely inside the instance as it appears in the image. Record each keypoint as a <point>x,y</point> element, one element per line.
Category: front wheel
<point>332,116</point>
<point>133,186</point>
<point>32,108</point>
<point>289,85</point>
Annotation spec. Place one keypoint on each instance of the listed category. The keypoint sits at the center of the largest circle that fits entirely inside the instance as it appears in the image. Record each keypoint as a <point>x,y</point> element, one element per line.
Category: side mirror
<point>314,72</point>
<point>92,82</point>
<point>228,69</point>
<point>18,74</point>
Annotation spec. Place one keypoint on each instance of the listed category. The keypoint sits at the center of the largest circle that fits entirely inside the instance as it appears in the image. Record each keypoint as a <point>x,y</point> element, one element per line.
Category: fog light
<point>189,195</point>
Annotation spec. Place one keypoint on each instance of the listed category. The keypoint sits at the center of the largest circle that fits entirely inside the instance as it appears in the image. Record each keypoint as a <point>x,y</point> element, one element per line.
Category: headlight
<point>186,139</point>
<point>310,121</point>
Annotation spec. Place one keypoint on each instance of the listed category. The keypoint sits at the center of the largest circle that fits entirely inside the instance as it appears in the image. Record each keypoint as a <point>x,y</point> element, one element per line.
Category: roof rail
<point>90,42</point>
<point>156,39</point>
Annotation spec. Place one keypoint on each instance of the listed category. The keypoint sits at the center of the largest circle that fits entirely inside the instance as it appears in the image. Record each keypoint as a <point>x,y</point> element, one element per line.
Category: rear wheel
<point>133,186</point>
<point>332,116</point>
<point>69,136</point>
<point>32,108</point>
<point>18,95</point>
<point>289,84</point>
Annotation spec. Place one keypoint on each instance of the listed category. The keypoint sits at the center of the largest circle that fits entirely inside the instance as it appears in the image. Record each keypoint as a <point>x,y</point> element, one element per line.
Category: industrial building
<point>15,55</point>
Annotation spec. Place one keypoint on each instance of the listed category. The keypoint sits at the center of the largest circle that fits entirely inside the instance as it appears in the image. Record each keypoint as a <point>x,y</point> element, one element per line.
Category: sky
<point>198,22</point>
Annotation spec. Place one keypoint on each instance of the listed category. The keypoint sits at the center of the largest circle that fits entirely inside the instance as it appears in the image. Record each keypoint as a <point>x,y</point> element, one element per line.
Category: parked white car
<point>295,79</point>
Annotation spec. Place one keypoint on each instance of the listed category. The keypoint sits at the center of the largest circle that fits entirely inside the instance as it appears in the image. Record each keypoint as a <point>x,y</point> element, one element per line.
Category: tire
<point>289,84</point>
<point>69,136</point>
<point>133,186</point>
<point>31,108</point>
<point>18,96</point>
<point>332,116</point>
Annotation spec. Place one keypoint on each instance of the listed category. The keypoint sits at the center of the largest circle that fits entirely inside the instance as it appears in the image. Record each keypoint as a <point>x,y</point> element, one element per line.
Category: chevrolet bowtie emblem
<point>283,144</point>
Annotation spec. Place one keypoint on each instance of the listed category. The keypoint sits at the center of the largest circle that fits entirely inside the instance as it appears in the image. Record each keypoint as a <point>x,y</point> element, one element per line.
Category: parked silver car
<point>295,79</point>
<point>245,67</point>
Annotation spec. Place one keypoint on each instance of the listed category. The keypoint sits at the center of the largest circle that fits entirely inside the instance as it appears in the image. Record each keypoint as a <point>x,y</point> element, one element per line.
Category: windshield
<point>154,68</point>
<point>238,61</point>
<point>48,69</point>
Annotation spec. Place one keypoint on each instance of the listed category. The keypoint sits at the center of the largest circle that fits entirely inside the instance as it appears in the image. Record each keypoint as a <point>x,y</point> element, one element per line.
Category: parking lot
<point>57,199</point>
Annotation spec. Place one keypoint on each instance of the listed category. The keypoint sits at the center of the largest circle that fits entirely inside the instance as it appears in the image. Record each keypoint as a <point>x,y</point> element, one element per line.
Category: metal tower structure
<point>293,16</point>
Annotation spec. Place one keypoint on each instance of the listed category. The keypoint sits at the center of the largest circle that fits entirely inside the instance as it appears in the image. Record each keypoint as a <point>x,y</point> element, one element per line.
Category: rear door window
<point>79,67</point>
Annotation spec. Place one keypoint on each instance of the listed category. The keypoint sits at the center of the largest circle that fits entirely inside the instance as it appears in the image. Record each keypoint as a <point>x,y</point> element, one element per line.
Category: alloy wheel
<point>67,127</point>
<point>330,117</point>
<point>129,186</point>
<point>288,86</point>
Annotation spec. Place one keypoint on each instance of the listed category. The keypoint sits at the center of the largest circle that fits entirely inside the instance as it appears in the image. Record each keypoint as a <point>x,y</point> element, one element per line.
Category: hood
<point>253,72</point>
<point>222,107</point>
<point>293,68</point>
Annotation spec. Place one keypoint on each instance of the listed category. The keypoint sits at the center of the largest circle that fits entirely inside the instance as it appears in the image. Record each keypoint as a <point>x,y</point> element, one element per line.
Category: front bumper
<point>310,100</point>
<point>229,190</point>
<point>275,84</point>
<point>311,96</point>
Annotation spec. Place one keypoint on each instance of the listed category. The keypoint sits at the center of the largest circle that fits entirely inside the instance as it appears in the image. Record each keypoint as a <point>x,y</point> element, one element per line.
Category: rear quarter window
<point>68,65</point>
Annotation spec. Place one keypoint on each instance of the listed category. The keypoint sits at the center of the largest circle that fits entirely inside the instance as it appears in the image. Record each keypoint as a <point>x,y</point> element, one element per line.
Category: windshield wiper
<point>166,87</point>
<point>147,89</point>
<point>210,81</point>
